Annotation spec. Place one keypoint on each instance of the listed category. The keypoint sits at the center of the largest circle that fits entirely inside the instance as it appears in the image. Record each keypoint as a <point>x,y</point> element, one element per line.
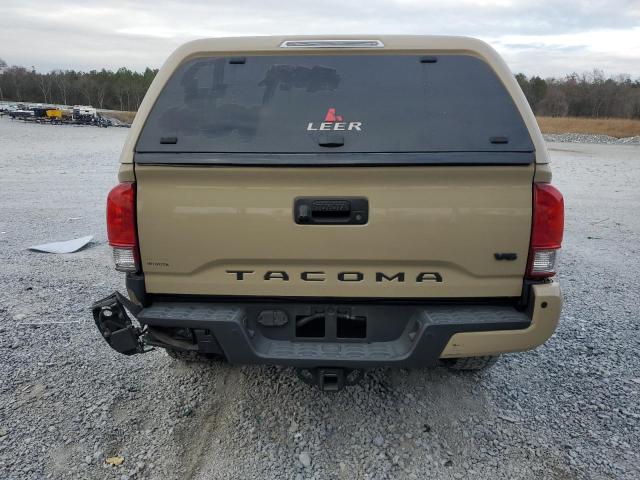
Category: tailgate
<point>444,163</point>
<point>432,231</point>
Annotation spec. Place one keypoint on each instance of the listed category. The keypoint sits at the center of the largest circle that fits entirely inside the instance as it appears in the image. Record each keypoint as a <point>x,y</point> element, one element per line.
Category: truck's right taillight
<point>546,230</point>
<point>121,226</point>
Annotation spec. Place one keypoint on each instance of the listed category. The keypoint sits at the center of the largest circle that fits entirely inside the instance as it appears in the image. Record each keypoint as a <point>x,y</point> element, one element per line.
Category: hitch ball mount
<point>330,379</point>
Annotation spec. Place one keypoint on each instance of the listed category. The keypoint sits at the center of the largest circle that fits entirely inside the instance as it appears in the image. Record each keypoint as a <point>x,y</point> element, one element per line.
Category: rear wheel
<point>470,363</point>
<point>193,357</point>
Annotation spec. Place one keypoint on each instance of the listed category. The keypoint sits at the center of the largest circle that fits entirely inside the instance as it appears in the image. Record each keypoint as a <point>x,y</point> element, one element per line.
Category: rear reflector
<point>125,259</point>
<point>544,261</point>
<point>547,230</point>
<point>121,226</point>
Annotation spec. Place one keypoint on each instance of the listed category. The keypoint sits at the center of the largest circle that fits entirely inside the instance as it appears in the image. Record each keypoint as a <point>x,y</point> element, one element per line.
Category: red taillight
<point>121,226</point>
<point>546,230</point>
<point>121,215</point>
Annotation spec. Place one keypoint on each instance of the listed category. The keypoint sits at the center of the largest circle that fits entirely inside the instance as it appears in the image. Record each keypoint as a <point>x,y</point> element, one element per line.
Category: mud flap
<point>115,325</point>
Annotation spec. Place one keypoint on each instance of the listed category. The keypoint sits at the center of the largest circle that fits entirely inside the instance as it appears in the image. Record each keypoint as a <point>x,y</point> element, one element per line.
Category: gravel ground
<point>585,138</point>
<point>67,402</point>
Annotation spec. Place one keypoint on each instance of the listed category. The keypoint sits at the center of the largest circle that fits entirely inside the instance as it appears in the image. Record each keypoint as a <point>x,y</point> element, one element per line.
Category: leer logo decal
<point>333,121</point>
<point>331,116</point>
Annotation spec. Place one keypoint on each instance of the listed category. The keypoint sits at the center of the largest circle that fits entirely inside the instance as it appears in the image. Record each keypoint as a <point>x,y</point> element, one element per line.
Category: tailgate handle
<point>331,141</point>
<point>331,211</point>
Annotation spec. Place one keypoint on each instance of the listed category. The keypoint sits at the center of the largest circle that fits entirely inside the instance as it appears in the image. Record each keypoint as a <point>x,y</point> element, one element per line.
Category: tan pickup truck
<point>334,204</point>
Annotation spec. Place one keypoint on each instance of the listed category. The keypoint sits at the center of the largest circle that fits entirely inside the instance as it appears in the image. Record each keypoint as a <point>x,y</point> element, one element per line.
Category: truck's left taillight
<point>121,227</point>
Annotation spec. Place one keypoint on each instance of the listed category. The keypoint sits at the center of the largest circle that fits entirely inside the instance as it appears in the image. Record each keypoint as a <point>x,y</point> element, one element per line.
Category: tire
<point>193,357</point>
<point>470,363</point>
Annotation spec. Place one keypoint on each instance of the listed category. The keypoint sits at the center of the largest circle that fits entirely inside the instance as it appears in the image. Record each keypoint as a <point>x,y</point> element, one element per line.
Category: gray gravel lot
<point>566,410</point>
<point>584,138</point>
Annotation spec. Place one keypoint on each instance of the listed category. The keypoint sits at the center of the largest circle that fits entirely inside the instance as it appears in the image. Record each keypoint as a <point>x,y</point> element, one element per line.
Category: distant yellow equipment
<point>54,113</point>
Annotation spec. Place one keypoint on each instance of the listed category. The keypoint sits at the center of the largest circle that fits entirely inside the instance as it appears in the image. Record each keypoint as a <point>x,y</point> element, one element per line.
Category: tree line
<point>122,89</point>
<point>581,95</point>
<point>589,94</point>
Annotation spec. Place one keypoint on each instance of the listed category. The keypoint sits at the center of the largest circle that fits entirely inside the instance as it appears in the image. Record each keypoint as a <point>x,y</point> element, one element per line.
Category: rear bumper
<point>544,312</point>
<point>395,335</point>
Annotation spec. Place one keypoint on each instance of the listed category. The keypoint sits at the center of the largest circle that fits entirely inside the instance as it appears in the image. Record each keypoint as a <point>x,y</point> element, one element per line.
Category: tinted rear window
<point>334,104</point>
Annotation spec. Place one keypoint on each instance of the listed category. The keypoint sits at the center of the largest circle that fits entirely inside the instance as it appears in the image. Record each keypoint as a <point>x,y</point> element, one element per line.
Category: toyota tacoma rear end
<point>333,205</point>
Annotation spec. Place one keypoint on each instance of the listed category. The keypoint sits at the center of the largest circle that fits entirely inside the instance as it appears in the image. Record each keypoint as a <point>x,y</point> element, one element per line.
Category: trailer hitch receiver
<point>115,325</point>
<point>330,379</point>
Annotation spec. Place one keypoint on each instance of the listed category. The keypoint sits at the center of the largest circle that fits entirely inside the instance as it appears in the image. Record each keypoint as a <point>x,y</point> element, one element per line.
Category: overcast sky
<point>545,37</point>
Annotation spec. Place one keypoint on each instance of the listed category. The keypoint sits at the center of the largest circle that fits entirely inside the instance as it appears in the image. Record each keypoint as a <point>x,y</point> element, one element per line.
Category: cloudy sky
<point>545,37</point>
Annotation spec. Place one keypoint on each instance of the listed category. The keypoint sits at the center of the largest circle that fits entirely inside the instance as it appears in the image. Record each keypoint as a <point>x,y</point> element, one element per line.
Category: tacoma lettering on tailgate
<point>352,276</point>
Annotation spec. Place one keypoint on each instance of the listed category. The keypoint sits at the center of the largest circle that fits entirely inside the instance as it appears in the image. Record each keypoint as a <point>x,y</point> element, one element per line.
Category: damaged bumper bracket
<point>116,327</point>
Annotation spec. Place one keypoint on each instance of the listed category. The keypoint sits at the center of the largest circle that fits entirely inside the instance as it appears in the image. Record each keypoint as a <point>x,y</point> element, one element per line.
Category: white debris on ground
<point>66,246</point>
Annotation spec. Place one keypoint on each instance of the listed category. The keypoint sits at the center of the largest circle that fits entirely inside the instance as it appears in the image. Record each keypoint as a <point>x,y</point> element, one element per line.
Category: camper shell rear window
<point>347,106</point>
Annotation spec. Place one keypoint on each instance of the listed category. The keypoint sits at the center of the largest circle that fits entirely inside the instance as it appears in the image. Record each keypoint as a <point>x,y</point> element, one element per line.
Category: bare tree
<point>63,83</point>
<point>84,86</point>
<point>554,103</point>
<point>3,66</point>
<point>45,83</point>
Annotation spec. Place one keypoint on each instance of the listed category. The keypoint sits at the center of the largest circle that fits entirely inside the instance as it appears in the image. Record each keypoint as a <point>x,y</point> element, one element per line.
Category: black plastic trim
<point>135,285</point>
<point>388,159</point>
<point>172,297</point>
